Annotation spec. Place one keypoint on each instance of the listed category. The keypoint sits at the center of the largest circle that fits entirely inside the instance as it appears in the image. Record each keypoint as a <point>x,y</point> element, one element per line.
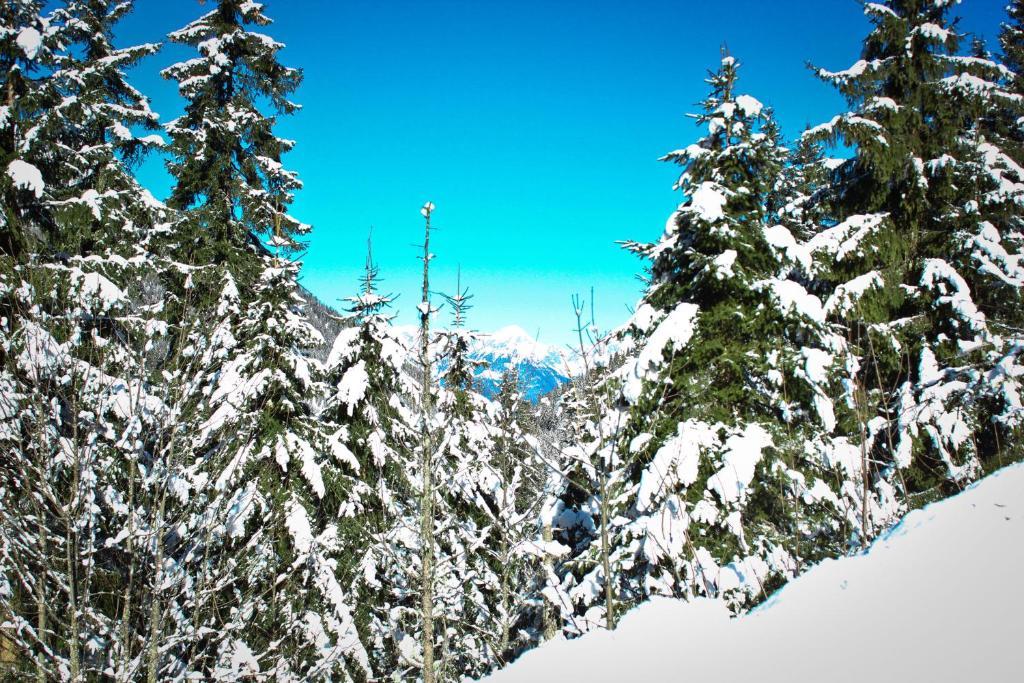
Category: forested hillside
<point>206,474</point>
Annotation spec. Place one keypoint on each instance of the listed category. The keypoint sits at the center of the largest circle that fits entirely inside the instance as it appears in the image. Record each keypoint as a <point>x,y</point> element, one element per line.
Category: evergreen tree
<point>588,476</point>
<point>80,234</point>
<point>1011,39</point>
<point>516,493</point>
<point>463,528</point>
<point>27,45</point>
<point>372,428</point>
<point>905,261</point>
<point>92,127</point>
<point>279,610</point>
<point>226,161</point>
<point>488,499</point>
<point>277,485</point>
<point>719,468</point>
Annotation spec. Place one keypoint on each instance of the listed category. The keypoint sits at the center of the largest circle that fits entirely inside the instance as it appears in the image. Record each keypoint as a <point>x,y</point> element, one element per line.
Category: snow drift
<point>938,598</point>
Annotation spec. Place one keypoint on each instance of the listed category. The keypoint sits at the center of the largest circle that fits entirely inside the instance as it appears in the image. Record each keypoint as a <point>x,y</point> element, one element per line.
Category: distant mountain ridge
<point>541,367</point>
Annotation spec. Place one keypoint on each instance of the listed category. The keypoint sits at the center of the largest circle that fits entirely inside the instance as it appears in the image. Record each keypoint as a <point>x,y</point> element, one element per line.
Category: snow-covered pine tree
<point>1002,124</point>
<point>720,488</point>
<point>225,156</point>
<point>977,304</point>
<point>81,323</point>
<point>372,428</point>
<point>278,495</point>
<point>586,476</point>
<point>263,538</point>
<point>1005,128</point>
<point>515,493</point>
<point>28,41</point>
<point>1011,39</point>
<point>488,498</point>
<point>460,368</point>
<point>92,129</point>
<point>905,258</point>
<point>464,528</point>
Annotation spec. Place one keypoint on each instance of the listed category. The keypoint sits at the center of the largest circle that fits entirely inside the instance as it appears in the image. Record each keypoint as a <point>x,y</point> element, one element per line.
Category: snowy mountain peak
<point>511,333</point>
<point>515,342</point>
<point>541,367</point>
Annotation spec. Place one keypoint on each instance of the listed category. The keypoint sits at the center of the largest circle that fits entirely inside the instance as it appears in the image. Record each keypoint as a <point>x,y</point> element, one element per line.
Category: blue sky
<point>535,127</point>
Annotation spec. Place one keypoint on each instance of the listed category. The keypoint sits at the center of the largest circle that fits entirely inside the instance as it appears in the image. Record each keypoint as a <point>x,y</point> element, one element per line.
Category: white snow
<point>516,344</point>
<point>29,40</point>
<point>240,509</point>
<point>749,105</point>
<point>708,201</point>
<point>846,238</point>
<point>677,328</point>
<point>26,177</point>
<point>858,69</point>
<point>936,599</point>
<point>237,662</point>
<point>845,297</point>
<point>877,8</point>
<point>676,462</point>
<point>792,297</point>
<point>817,364</point>
<point>742,453</point>
<point>297,522</point>
<point>723,264</point>
<point>95,286</point>
<point>779,237</point>
<point>942,278</point>
<point>353,385</point>
<point>933,31</point>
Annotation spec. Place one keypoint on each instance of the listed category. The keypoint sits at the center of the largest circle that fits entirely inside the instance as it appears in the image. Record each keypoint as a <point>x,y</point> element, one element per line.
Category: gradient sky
<point>535,127</point>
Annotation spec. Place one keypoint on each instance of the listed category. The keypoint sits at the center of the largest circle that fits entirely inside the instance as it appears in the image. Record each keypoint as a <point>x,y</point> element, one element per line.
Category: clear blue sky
<point>535,127</point>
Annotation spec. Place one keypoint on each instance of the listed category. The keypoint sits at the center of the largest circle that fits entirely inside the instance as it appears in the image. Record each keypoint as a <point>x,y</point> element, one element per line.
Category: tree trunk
<point>609,595</point>
<point>549,614</point>
<point>41,614</point>
<point>427,496</point>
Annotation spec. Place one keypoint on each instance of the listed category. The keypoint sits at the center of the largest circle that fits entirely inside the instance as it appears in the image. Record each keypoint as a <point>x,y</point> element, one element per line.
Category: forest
<point>207,474</point>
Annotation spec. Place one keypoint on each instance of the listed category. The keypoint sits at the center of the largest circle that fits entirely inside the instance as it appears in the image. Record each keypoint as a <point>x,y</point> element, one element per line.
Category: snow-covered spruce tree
<point>464,528</point>
<point>460,368</point>
<point>91,129</point>
<point>80,321</point>
<point>27,42</point>
<point>486,505</point>
<point>985,248</point>
<point>225,156</point>
<point>1002,125</point>
<point>276,501</point>
<point>587,484</point>
<point>372,426</point>
<point>1011,39</point>
<point>906,258</point>
<point>1007,129</point>
<point>262,532</point>
<point>721,488</point>
<point>514,490</point>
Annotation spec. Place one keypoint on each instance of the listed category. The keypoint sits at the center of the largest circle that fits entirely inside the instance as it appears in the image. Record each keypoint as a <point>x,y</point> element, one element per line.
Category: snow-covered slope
<point>938,598</point>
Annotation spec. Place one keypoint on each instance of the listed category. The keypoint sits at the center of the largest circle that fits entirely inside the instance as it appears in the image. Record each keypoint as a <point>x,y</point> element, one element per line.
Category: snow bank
<point>938,598</point>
